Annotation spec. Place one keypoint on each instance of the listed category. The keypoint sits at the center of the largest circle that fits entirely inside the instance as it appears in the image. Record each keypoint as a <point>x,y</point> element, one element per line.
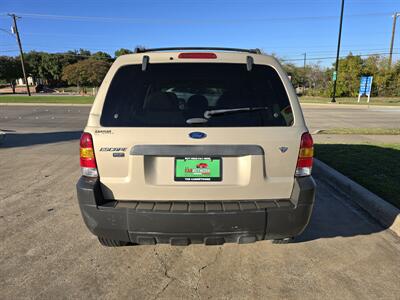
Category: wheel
<point>112,243</point>
<point>282,241</point>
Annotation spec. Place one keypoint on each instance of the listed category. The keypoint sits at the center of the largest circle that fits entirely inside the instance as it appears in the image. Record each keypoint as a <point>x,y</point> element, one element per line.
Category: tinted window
<point>167,95</point>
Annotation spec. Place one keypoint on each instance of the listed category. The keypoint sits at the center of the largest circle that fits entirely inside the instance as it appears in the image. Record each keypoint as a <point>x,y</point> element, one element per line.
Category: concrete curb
<point>45,104</point>
<point>384,212</point>
<point>344,105</point>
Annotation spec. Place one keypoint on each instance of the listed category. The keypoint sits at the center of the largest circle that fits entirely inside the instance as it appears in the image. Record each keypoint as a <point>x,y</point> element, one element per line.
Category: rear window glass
<point>193,94</point>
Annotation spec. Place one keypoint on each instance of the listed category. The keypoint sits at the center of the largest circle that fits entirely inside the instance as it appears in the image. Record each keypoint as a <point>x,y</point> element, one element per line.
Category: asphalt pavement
<point>326,116</point>
<point>46,251</point>
<point>42,118</point>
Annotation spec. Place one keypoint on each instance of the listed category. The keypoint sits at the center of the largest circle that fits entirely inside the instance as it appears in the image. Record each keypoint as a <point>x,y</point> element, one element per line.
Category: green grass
<point>89,99</point>
<point>47,99</point>
<point>365,131</point>
<point>390,101</point>
<point>374,166</point>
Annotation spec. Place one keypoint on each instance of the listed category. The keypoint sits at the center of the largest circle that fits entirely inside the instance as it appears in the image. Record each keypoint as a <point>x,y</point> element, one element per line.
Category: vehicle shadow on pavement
<point>6,130</point>
<point>12,140</point>
<point>335,215</point>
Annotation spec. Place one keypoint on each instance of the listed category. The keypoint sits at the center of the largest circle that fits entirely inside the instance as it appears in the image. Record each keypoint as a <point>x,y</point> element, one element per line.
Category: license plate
<point>198,169</point>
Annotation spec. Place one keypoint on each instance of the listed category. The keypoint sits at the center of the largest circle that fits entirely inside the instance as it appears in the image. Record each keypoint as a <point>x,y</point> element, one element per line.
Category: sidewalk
<point>344,105</point>
<point>355,139</point>
<point>45,104</point>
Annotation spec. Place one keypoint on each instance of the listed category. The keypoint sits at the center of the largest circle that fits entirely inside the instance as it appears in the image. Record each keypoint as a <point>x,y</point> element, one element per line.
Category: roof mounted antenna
<point>145,62</point>
<point>249,63</point>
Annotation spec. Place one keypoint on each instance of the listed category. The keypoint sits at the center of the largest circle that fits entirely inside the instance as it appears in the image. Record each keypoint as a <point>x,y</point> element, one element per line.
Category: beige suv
<point>195,145</point>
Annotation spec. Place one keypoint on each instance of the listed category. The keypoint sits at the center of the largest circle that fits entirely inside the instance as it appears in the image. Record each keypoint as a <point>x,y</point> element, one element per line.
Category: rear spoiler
<point>143,50</point>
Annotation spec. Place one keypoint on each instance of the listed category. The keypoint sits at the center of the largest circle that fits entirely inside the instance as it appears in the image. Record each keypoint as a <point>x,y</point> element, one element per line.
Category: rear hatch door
<point>197,131</point>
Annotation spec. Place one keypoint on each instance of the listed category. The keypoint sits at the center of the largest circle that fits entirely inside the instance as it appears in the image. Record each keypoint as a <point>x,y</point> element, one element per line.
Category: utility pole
<point>337,54</point>
<point>392,40</point>
<point>15,31</point>
<point>304,73</point>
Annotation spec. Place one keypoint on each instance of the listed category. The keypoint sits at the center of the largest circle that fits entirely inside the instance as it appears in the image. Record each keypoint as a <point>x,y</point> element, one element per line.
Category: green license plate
<point>198,169</point>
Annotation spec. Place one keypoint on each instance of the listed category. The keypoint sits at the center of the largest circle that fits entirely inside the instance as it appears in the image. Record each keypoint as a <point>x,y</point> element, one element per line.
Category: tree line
<point>78,67</point>
<point>318,81</point>
<point>84,68</point>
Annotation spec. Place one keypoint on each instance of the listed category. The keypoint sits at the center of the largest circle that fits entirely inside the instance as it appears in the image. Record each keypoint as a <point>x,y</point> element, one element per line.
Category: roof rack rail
<point>143,50</point>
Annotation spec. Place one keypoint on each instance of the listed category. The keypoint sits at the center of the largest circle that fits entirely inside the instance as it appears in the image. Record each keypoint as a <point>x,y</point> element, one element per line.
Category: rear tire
<point>112,243</point>
<point>282,241</point>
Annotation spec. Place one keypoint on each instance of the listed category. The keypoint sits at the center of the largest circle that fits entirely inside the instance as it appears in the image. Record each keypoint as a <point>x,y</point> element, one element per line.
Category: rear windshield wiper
<point>209,113</point>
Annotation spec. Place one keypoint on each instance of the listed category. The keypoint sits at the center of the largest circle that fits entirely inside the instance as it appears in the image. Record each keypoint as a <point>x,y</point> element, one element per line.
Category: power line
<point>352,50</point>
<point>281,59</point>
<point>88,35</point>
<point>102,49</point>
<point>9,50</point>
<point>333,57</point>
<point>6,31</point>
<point>185,21</point>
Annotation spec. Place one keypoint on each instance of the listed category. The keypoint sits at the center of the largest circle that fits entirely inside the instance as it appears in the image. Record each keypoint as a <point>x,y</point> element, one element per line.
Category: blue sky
<point>285,27</point>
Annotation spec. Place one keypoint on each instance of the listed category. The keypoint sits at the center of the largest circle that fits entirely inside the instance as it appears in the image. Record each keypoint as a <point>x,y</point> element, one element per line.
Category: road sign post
<point>365,87</point>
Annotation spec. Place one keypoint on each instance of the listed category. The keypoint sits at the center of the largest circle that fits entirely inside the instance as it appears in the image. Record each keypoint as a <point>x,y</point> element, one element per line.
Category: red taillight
<point>201,55</point>
<point>87,158</point>
<point>306,153</point>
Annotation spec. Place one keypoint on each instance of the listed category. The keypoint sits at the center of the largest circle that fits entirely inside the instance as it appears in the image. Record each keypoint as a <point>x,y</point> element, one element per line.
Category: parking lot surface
<point>347,116</point>
<point>47,252</point>
<point>64,117</point>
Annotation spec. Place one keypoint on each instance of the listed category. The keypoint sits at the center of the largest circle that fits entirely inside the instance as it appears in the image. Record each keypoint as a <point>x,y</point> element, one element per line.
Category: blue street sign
<point>365,85</point>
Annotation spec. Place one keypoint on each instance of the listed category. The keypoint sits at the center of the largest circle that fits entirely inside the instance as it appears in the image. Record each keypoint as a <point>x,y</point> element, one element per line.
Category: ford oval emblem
<point>197,135</point>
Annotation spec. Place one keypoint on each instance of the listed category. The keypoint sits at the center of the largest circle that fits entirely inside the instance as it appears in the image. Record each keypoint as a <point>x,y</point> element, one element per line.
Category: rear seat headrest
<point>161,101</point>
<point>197,102</point>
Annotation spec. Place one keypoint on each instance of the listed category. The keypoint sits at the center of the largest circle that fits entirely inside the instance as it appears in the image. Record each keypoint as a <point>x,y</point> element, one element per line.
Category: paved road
<point>27,119</point>
<point>46,251</point>
<point>64,118</point>
<point>332,116</point>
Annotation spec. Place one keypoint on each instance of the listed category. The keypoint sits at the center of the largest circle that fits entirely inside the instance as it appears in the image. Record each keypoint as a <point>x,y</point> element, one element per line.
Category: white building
<point>31,81</point>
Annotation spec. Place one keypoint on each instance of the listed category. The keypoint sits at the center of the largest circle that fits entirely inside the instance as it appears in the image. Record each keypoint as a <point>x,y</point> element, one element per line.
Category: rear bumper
<point>208,222</point>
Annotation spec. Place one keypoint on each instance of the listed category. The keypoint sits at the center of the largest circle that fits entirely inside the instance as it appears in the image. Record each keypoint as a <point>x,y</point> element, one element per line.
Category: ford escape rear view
<point>195,146</point>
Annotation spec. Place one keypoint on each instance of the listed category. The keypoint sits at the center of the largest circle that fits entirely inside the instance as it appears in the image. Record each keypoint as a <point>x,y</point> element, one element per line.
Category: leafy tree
<point>396,81</point>
<point>295,74</point>
<point>122,51</point>
<point>34,64</point>
<point>350,71</point>
<point>10,70</point>
<point>89,72</point>
<point>54,64</point>
<point>52,67</point>
<point>101,56</point>
<point>49,66</point>
<point>317,80</point>
<point>78,55</point>
<point>83,52</point>
<point>388,80</point>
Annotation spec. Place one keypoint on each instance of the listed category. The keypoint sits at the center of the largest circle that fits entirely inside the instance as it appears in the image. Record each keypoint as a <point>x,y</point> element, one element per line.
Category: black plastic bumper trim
<point>185,222</point>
